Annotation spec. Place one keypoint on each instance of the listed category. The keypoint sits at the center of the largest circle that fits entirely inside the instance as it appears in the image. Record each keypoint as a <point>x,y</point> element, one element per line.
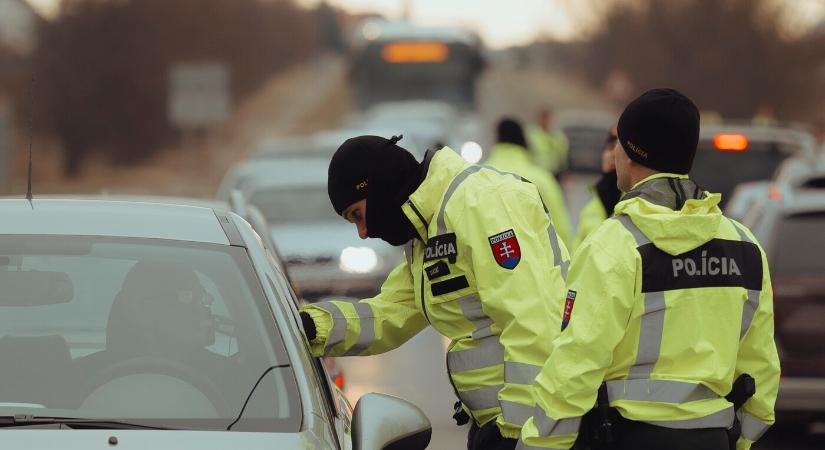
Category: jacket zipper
<point>423,305</point>
<point>424,223</point>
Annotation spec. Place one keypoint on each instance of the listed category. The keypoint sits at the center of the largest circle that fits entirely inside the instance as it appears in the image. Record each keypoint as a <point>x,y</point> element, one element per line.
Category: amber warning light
<point>415,52</point>
<point>730,142</point>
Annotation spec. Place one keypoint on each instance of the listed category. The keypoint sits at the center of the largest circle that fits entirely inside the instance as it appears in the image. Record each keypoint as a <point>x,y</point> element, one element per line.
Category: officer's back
<point>669,303</point>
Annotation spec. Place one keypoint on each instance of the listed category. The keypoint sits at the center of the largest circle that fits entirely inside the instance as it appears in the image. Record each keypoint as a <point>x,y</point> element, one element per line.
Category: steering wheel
<point>162,366</point>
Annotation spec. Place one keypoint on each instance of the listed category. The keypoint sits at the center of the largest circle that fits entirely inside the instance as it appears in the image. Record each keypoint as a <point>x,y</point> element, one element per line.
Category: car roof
<point>134,219</point>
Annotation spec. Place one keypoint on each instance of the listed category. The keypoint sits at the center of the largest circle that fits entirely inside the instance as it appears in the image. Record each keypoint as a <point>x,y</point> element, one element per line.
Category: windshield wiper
<point>26,420</point>
<point>248,397</point>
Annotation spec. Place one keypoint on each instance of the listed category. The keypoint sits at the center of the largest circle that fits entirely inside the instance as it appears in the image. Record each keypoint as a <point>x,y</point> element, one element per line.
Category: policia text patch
<point>718,263</point>
<point>442,246</point>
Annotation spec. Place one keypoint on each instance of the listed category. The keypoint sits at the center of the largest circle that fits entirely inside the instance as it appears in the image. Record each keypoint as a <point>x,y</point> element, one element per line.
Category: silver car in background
<point>163,326</point>
<point>323,252</point>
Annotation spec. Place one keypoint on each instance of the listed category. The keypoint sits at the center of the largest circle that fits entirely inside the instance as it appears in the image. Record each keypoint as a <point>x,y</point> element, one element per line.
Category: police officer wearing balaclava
<point>483,266</point>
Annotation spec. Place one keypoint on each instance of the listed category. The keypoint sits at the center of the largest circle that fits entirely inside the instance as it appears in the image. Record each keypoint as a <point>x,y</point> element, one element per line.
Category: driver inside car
<point>161,317</point>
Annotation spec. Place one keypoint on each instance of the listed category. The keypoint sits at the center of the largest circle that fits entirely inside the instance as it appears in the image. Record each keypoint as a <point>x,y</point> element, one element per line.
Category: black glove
<point>309,326</point>
<point>489,437</point>
<point>460,416</point>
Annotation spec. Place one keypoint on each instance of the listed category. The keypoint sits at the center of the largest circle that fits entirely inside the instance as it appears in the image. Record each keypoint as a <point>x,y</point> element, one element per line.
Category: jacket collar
<point>666,189</point>
<point>440,166</point>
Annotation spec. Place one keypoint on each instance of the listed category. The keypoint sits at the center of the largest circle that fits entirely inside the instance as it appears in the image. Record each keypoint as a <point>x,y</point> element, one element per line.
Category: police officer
<point>550,147</point>
<point>483,266</point>
<point>605,194</point>
<point>510,154</point>
<point>669,302</point>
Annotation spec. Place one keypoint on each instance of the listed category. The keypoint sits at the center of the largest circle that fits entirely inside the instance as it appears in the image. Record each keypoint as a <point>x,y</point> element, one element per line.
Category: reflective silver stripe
<point>640,238</point>
<point>752,428</point>
<point>489,353</point>
<point>515,413</point>
<point>409,254</point>
<point>653,320</point>
<point>520,373</point>
<point>484,398</point>
<point>721,419</point>
<point>449,193</point>
<point>550,427</point>
<point>565,267</point>
<point>554,244</point>
<point>749,310</point>
<point>471,308</point>
<point>650,336</point>
<point>742,234</point>
<point>752,304</point>
<point>663,391</point>
<point>366,319</point>
<point>509,174</point>
<point>339,324</point>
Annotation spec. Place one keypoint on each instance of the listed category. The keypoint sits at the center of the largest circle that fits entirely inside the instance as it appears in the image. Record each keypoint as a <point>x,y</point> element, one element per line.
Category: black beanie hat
<point>510,131</point>
<point>385,174</point>
<point>660,130</point>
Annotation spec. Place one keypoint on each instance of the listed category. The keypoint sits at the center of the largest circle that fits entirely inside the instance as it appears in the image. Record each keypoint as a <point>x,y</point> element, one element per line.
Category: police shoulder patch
<point>568,309</point>
<point>441,246</point>
<point>505,249</point>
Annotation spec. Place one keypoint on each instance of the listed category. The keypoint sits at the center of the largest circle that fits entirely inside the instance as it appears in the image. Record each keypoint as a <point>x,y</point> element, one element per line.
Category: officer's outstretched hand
<point>489,438</point>
<point>309,326</point>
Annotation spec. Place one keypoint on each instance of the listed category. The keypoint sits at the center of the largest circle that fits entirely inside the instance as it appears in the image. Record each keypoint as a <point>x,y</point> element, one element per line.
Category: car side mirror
<point>385,422</point>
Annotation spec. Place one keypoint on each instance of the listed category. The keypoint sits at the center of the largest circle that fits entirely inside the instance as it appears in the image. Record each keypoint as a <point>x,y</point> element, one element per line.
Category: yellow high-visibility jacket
<point>486,271</point>
<point>549,148</point>
<point>590,217</point>
<point>669,303</point>
<point>515,159</point>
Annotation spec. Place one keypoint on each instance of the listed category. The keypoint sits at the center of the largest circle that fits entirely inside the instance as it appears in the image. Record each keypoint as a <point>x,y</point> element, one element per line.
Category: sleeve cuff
<point>323,326</point>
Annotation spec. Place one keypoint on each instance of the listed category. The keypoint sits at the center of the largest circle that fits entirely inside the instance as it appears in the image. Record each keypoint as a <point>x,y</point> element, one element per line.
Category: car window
<point>169,333</point>
<point>795,256</point>
<point>279,206</point>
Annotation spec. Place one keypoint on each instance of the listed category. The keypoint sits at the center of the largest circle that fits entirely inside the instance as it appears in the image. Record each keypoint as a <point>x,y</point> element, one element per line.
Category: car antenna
<point>29,195</point>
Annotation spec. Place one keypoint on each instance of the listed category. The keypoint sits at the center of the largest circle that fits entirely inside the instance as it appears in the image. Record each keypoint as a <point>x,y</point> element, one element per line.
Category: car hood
<point>321,239</point>
<point>66,439</point>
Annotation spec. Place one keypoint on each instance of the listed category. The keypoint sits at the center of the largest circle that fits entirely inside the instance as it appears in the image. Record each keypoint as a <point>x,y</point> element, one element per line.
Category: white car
<point>792,232</point>
<point>163,326</point>
<point>322,251</point>
<point>794,174</point>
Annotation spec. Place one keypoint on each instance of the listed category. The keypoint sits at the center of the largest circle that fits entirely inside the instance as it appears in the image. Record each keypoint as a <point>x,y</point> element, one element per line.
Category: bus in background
<point>397,61</point>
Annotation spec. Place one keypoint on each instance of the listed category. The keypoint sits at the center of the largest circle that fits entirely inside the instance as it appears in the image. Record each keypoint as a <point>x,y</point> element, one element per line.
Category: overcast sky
<point>500,23</point>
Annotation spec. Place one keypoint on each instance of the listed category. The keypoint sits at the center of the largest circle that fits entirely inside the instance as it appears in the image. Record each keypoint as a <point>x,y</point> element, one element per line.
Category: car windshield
<point>294,205</point>
<point>170,334</point>
<point>795,256</point>
<point>720,171</point>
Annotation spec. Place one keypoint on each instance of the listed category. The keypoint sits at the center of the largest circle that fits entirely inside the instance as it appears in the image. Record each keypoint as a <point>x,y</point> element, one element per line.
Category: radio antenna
<point>29,195</point>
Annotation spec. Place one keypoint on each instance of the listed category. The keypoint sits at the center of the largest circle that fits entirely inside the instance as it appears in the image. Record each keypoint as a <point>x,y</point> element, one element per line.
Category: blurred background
<point>209,98</point>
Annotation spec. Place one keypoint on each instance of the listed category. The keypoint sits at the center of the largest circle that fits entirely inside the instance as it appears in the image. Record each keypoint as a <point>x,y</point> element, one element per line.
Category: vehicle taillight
<point>339,380</point>
<point>415,52</point>
<point>774,193</point>
<point>730,142</point>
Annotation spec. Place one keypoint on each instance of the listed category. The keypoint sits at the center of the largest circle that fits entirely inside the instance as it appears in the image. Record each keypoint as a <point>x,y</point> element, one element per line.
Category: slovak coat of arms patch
<point>506,249</point>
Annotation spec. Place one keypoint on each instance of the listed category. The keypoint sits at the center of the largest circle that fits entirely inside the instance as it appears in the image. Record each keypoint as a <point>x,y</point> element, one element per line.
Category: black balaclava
<point>607,187</point>
<point>509,131</point>
<point>385,174</point>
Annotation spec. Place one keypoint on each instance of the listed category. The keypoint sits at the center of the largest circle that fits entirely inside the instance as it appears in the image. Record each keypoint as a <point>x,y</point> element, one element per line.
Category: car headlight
<point>358,260</point>
<point>471,152</point>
